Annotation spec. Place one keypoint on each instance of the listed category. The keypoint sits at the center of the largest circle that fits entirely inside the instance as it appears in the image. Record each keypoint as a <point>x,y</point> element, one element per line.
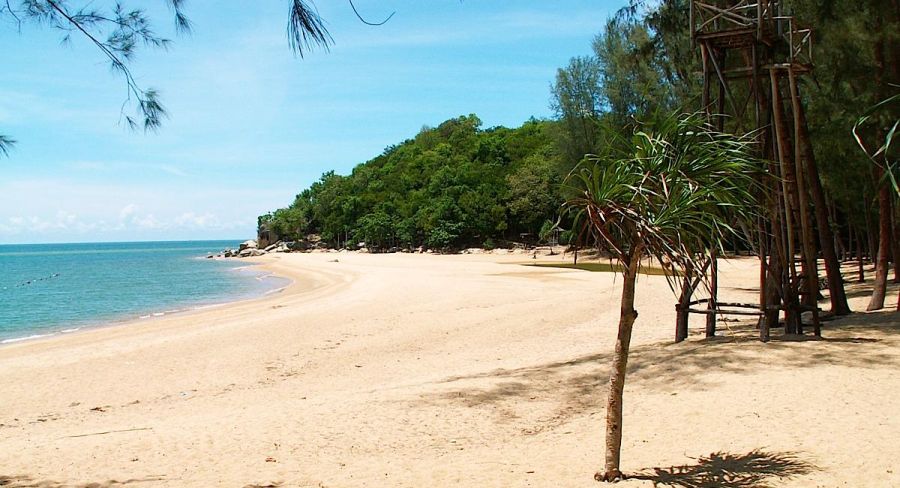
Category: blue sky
<point>251,125</point>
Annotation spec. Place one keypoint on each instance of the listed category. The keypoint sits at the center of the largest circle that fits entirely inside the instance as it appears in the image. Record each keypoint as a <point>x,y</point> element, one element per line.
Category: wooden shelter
<point>751,52</point>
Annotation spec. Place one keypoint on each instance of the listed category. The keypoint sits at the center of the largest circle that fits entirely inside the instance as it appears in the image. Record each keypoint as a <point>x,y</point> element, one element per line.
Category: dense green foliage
<point>459,185</point>
<point>451,186</point>
<point>856,65</point>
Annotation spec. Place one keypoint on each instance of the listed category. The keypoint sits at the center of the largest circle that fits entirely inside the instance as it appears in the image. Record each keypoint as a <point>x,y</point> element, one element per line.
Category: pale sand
<point>420,370</point>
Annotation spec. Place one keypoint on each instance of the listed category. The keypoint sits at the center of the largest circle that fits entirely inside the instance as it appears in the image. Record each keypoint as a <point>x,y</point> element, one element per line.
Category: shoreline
<point>436,370</point>
<point>147,317</point>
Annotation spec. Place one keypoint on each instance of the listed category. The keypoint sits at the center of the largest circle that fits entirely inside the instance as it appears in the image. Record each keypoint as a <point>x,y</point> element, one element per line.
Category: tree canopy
<point>453,185</point>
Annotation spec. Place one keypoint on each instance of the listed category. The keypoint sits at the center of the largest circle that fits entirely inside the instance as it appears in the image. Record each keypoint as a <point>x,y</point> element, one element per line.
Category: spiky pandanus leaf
<point>674,188</point>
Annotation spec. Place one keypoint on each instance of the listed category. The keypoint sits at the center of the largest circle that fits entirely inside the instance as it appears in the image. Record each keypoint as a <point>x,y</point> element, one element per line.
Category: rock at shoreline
<point>251,244</point>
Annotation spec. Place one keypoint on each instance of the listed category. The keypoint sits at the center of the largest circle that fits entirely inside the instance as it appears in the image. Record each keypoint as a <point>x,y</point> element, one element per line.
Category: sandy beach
<point>465,370</point>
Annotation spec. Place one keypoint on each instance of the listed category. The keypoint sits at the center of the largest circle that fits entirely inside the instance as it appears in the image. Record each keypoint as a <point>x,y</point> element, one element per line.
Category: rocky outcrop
<point>250,248</point>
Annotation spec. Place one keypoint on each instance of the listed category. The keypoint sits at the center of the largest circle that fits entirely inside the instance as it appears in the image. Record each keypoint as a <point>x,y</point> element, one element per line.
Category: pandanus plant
<point>670,191</point>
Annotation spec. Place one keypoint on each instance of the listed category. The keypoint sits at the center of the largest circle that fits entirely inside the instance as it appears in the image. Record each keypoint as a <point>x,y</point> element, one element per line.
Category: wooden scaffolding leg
<point>788,181</point>
<point>713,292</point>
<point>681,323</point>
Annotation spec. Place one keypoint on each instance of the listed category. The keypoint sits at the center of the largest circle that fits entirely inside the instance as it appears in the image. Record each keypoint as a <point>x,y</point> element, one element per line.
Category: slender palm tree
<point>669,191</point>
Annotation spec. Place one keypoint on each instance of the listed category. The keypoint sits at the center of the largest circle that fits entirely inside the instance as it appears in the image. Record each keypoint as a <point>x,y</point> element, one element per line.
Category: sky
<point>250,124</point>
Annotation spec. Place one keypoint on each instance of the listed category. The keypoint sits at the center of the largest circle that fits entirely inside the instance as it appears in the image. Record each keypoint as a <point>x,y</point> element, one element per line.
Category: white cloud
<point>62,221</point>
<point>127,211</point>
<point>148,222</point>
<point>80,211</point>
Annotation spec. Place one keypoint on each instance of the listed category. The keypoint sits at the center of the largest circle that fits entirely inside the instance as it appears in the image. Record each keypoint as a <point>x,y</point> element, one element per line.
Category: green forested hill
<point>454,185</point>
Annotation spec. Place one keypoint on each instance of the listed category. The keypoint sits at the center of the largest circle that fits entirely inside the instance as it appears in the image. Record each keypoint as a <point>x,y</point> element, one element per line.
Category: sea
<point>48,289</point>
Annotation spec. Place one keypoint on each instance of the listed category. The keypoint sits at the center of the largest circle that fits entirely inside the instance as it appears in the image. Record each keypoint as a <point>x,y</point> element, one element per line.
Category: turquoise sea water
<point>58,288</point>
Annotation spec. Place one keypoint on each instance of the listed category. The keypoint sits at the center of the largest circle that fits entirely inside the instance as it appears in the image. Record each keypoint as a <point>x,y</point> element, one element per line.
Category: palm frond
<point>674,189</point>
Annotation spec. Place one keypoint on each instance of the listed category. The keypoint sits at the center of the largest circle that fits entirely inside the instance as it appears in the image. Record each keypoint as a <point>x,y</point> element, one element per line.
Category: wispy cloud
<point>121,167</point>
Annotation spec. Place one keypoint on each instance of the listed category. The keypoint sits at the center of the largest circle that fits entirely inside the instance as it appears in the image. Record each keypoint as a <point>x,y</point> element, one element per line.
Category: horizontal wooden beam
<point>756,313</point>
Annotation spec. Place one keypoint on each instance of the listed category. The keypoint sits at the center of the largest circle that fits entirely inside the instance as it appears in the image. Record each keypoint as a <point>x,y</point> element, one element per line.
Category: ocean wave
<point>26,338</point>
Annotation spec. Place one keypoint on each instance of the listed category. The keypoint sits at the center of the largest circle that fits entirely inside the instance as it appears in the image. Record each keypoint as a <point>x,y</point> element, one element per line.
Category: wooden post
<point>704,55</point>
<point>683,317</point>
<point>808,252</point>
<point>791,319</point>
<point>720,109</point>
<point>763,270</point>
<point>713,292</point>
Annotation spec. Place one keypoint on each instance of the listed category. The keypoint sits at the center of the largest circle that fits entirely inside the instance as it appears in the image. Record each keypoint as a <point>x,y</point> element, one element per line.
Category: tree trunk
<point>884,243</point>
<point>871,238</point>
<point>838,297</point>
<point>896,239</point>
<point>860,269</point>
<point>627,317</point>
<point>682,316</point>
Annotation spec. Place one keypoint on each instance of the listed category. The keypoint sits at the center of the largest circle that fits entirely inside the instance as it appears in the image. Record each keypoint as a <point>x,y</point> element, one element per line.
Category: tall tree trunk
<point>896,239</point>
<point>860,269</point>
<point>884,243</point>
<point>627,317</point>
<point>838,297</point>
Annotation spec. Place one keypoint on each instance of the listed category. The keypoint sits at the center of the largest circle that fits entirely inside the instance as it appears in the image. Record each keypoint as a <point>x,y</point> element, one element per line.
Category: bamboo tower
<point>752,53</point>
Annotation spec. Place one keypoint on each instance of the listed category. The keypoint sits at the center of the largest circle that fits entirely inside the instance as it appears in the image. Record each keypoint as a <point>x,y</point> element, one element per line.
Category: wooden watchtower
<point>751,51</point>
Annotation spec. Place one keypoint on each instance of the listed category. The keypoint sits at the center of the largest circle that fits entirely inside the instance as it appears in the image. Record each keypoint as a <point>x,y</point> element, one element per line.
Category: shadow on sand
<point>756,469</point>
<point>29,482</point>
<point>579,384</point>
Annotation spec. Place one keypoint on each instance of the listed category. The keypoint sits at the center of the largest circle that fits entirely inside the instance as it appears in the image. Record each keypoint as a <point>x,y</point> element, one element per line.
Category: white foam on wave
<point>67,331</point>
<point>276,290</point>
<point>27,338</point>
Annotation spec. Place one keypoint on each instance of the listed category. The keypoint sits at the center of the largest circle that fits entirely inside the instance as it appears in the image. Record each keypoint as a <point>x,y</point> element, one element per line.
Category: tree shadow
<point>578,385</point>
<point>24,481</point>
<point>755,469</point>
<point>855,289</point>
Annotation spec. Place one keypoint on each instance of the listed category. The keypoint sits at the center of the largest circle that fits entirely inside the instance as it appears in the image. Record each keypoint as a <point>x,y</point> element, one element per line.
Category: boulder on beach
<point>251,244</point>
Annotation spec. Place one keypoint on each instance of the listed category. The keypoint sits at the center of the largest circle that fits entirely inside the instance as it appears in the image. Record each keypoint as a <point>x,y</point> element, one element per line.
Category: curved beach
<point>428,370</point>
